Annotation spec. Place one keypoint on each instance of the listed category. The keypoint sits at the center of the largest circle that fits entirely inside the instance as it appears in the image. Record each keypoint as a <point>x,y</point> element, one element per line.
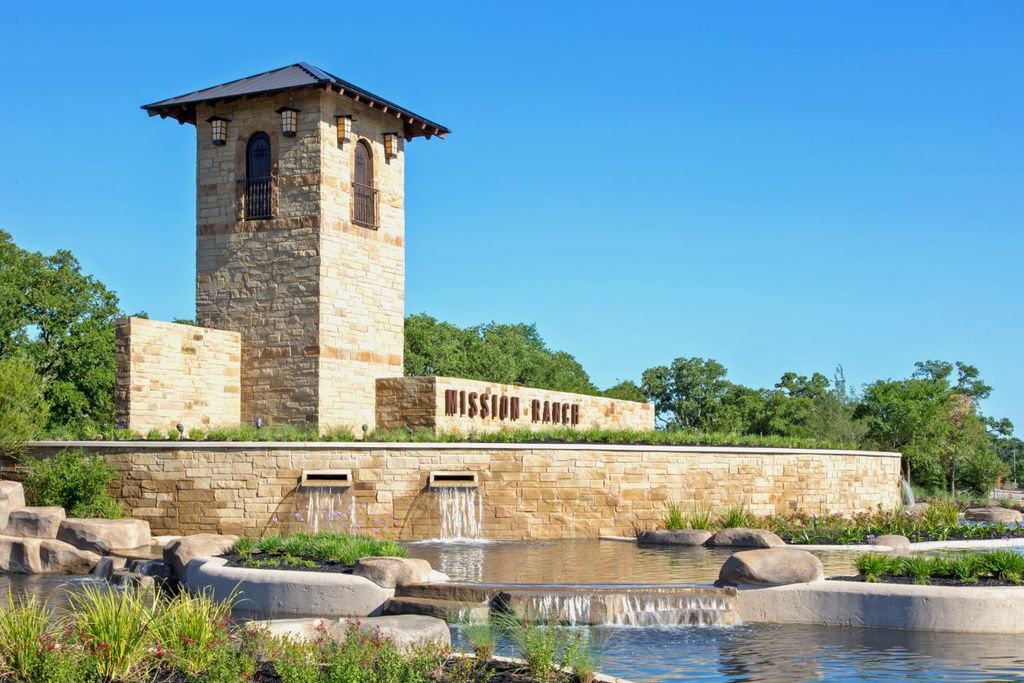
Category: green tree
<point>935,423</point>
<point>63,321</point>
<point>689,393</point>
<point>625,391</point>
<point>509,354</point>
<point>23,406</point>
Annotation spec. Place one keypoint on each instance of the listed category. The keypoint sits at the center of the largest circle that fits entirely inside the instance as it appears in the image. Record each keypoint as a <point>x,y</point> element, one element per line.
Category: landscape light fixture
<point>366,429</point>
<point>289,121</point>
<point>259,423</point>
<point>220,129</point>
<point>181,428</point>
<point>391,145</point>
<point>344,127</point>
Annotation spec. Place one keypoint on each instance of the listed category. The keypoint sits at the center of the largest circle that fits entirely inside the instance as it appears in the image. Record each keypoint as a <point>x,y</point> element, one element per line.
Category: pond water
<point>54,590</point>
<point>588,562</point>
<point>765,652</point>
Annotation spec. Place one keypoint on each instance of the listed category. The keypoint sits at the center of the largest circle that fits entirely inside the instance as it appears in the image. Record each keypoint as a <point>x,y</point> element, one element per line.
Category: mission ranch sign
<point>507,408</point>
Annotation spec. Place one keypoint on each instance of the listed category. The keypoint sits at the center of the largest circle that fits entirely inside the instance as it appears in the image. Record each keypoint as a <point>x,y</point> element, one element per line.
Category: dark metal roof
<point>301,75</point>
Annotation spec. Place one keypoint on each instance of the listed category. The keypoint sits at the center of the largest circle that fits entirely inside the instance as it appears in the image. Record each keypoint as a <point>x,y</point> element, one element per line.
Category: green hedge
<point>556,435</point>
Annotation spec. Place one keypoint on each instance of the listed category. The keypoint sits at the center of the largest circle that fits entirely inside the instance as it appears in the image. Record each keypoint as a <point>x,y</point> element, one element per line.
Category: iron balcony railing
<point>257,198</point>
<point>364,205</point>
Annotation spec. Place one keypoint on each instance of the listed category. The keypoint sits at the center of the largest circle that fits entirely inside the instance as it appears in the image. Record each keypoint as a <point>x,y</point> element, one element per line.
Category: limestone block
<point>104,535</point>
<point>178,553</point>
<point>770,567</point>
<point>35,522</point>
<point>43,556</point>
<point>13,493</point>
<point>740,537</point>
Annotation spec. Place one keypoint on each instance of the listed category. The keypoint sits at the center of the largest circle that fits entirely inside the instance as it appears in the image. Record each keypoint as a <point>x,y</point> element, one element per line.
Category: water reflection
<point>587,562</point>
<point>54,590</point>
<point>763,653</point>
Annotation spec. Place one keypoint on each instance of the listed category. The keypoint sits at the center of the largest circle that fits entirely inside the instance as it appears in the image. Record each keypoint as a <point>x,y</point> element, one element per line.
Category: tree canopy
<point>63,321</point>
<point>509,354</point>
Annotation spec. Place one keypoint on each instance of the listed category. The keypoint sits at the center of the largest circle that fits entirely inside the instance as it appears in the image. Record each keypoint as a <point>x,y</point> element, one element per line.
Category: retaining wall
<point>528,491</point>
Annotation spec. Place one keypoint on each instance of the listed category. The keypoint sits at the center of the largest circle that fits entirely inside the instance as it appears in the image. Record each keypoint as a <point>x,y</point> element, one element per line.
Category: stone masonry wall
<point>169,374</point>
<point>362,269</point>
<point>318,299</point>
<point>421,402</point>
<point>261,278</point>
<point>528,491</point>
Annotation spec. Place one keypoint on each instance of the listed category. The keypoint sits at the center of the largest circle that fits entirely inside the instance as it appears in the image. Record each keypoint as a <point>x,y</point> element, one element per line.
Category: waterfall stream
<point>627,608</point>
<point>461,512</point>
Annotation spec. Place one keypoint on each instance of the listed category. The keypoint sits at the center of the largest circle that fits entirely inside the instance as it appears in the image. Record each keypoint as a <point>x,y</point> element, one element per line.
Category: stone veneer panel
<point>169,373</point>
<point>529,491</point>
<point>318,299</point>
<point>420,402</point>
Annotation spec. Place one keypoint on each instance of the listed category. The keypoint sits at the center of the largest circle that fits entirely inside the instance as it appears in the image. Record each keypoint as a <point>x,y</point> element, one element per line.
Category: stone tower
<point>300,233</point>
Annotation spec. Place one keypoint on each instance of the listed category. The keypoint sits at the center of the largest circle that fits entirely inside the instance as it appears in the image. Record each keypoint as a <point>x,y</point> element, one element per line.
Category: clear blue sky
<point>780,186</point>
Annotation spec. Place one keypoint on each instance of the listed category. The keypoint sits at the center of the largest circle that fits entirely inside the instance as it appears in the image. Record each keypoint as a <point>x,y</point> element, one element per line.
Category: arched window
<point>258,180</point>
<point>364,207</point>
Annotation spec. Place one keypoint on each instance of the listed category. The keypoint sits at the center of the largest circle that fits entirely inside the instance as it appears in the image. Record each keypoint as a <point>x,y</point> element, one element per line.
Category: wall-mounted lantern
<point>220,129</point>
<point>289,121</point>
<point>344,127</point>
<point>391,145</point>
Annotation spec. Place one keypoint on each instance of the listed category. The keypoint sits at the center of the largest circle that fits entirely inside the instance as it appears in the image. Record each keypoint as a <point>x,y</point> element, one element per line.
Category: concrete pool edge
<point>997,609</point>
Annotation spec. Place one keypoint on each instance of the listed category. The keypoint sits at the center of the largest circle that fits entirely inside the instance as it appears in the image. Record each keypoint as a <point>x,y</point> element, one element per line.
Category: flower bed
<point>326,551</point>
<point>119,636</point>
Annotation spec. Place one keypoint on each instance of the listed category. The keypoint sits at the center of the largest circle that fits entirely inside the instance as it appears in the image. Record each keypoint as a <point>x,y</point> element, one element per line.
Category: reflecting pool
<point>588,562</point>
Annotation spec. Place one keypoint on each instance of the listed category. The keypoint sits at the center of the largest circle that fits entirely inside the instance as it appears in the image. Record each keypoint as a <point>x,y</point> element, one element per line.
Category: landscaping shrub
<point>29,637</point>
<point>737,516</point>
<point>114,629</point>
<point>942,525</point>
<point>74,481</point>
<point>701,518</point>
<point>967,568</point>
<point>674,520</point>
<point>538,644</point>
<point>306,549</point>
<point>23,406</point>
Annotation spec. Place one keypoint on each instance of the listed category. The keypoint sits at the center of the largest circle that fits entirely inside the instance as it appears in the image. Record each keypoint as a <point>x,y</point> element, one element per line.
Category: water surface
<point>588,562</point>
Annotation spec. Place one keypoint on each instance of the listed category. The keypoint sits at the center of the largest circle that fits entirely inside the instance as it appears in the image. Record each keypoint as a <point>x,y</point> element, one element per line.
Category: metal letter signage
<point>462,404</point>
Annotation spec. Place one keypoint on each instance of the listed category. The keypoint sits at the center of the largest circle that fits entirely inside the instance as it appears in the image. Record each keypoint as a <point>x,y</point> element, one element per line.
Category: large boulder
<point>741,537</point>
<point>34,522</point>
<point>404,630</point>
<point>993,515</point>
<point>770,567</point>
<point>12,497</point>
<point>180,552</point>
<point>686,537</point>
<point>58,557</point>
<point>103,535</point>
<point>390,572</point>
<point>44,556</point>
<point>14,493</point>
<point>899,544</point>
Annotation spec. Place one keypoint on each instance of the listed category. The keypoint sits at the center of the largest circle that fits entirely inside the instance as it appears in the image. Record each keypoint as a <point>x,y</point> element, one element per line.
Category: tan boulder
<point>44,556</point>
<point>58,557</point>
<point>103,535</point>
<point>180,552</point>
<point>899,544</point>
<point>741,537</point>
<point>391,572</point>
<point>14,493</point>
<point>12,497</point>
<point>34,522</point>
<point>770,567</point>
<point>684,537</point>
<point>993,515</point>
